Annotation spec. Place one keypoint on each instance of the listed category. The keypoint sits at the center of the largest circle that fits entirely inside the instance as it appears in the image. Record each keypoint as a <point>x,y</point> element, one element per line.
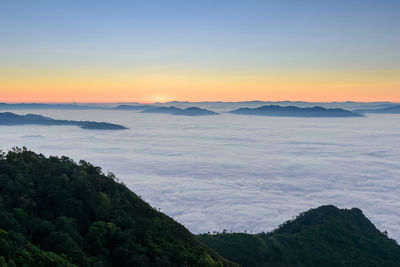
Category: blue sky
<point>218,37</point>
<point>254,34</point>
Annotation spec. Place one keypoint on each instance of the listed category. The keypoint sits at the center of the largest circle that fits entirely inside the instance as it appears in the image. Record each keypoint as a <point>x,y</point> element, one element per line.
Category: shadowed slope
<point>326,236</point>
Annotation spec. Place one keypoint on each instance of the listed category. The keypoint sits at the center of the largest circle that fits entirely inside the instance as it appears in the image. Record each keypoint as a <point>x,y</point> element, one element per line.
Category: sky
<point>147,51</point>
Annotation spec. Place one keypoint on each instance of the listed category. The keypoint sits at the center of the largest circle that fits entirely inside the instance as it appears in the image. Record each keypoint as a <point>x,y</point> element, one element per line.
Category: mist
<point>240,173</point>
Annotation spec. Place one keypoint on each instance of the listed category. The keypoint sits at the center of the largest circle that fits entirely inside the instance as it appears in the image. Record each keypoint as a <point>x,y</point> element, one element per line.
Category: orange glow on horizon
<point>134,86</point>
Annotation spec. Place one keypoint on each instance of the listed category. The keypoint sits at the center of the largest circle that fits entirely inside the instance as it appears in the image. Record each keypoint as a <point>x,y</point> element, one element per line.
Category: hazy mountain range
<point>191,111</point>
<point>8,118</point>
<point>292,111</point>
<point>389,110</point>
<point>217,105</point>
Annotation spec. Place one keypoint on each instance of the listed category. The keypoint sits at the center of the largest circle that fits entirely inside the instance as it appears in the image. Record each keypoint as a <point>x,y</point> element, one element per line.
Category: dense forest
<point>55,212</point>
<point>326,236</point>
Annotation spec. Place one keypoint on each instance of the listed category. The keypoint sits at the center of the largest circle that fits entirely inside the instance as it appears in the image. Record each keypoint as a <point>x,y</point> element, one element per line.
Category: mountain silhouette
<point>191,111</point>
<point>8,118</point>
<point>132,107</point>
<point>9,106</point>
<point>388,110</point>
<point>292,111</point>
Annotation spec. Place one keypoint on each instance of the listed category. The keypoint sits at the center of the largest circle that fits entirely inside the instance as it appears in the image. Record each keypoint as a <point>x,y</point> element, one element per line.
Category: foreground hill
<point>192,111</point>
<point>292,111</point>
<point>54,212</point>
<point>8,118</point>
<point>326,236</point>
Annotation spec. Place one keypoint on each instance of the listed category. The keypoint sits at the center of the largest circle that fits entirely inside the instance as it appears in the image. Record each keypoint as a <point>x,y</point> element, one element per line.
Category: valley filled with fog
<point>236,172</point>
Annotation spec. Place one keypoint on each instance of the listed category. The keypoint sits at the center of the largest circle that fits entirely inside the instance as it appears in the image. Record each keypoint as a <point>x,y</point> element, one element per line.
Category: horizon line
<point>185,101</point>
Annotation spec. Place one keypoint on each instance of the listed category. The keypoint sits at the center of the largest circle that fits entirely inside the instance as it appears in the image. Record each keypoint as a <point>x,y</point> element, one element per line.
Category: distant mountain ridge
<point>133,107</point>
<point>388,110</point>
<point>8,118</point>
<point>191,111</point>
<point>223,105</point>
<point>292,111</point>
<point>98,106</point>
<point>348,105</point>
<point>49,106</point>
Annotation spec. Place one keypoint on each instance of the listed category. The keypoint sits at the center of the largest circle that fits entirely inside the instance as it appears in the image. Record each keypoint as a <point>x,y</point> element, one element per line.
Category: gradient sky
<point>111,51</point>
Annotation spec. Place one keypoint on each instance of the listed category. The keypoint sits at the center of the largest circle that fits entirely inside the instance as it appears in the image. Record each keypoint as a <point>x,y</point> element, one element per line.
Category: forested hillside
<point>55,212</point>
<point>326,236</point>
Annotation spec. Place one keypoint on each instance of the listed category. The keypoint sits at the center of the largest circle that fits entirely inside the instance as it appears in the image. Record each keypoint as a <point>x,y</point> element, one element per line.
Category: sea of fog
<point>236,172</point>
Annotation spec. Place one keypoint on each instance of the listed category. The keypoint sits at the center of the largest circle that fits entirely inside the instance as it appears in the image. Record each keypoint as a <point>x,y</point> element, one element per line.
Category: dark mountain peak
<point>93,125</point>
<point>327,216</point>
<point>324,236</point>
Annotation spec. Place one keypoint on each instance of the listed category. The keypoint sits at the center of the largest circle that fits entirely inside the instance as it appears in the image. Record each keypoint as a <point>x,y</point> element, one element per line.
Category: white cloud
<point>237,172</point>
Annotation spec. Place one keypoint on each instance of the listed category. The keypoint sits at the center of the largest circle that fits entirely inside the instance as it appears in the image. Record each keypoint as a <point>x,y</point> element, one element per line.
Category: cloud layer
<point>237,172</point>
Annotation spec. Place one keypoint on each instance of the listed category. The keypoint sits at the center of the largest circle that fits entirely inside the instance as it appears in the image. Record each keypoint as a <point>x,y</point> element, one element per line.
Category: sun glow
<point>160,98</point>
<point>135,86</point>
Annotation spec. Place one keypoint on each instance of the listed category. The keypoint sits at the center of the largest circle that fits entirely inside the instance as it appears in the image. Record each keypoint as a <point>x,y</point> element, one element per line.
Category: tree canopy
<point>55,212</point>
<point>325,236</point>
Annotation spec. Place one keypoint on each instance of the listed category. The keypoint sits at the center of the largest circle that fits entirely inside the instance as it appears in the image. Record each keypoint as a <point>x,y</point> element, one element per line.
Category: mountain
<point>99,106</point>
<point>325,236</point>
<point>132,107</point>
<point>164,110</point>
<point>55,212</point>
<point>213,105</point>
<point>218,105</point>
<point>292,111</point>
<point>388,110</point>
<point>8,118</point>
<point>194,111</point>
<point>191,111</point>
